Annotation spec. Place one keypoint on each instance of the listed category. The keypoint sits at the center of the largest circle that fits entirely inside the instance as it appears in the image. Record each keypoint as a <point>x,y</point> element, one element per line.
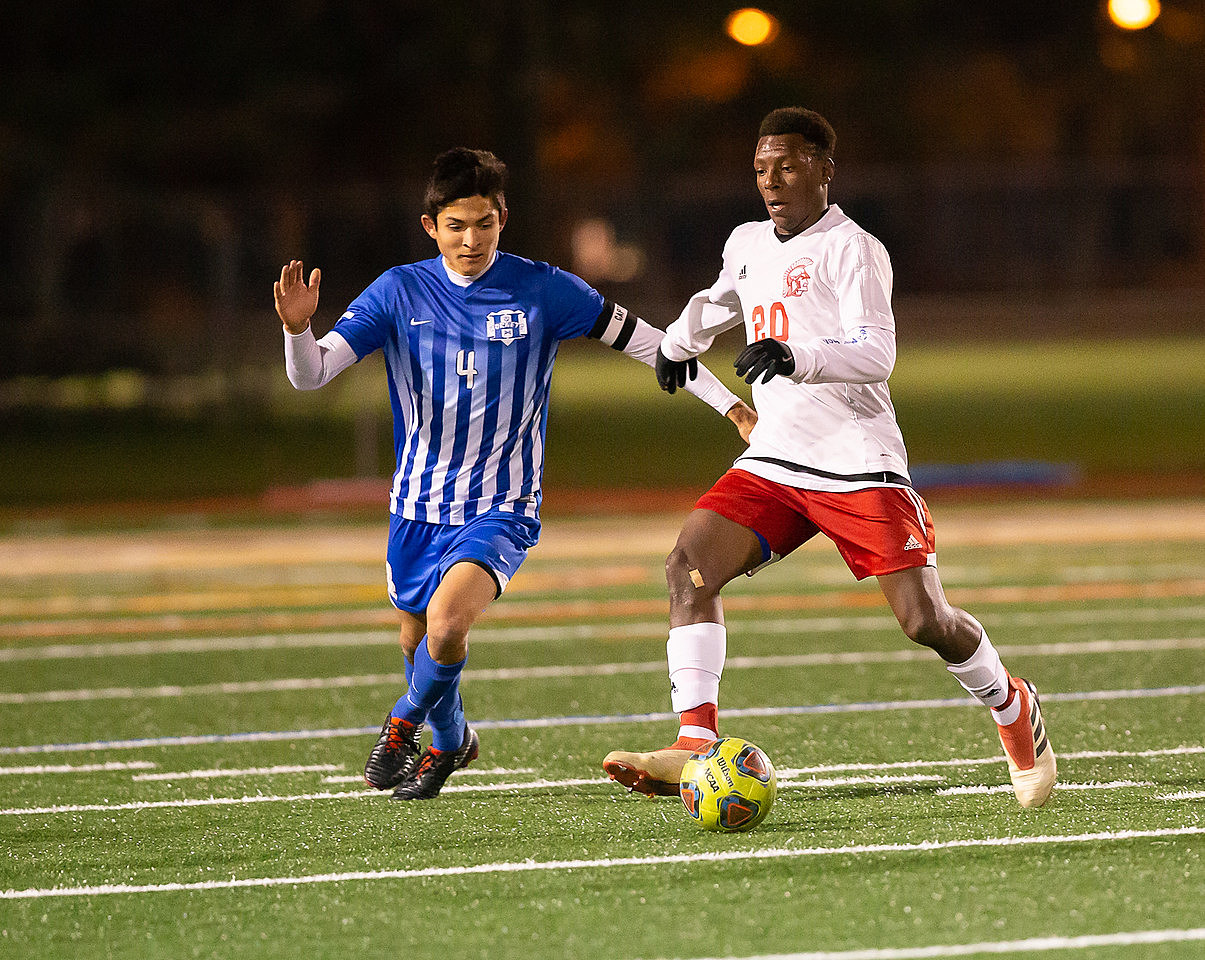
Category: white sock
<point>983,676</point>
<point>696,661</point>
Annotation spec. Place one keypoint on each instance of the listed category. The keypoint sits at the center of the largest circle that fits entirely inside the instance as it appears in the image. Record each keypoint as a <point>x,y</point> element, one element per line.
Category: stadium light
<point>751,27</point>
<point>1133,14</point>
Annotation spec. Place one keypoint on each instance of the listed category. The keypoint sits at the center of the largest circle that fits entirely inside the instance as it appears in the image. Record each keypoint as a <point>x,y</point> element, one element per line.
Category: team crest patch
<point>795,280</point>
<point>506,325</point>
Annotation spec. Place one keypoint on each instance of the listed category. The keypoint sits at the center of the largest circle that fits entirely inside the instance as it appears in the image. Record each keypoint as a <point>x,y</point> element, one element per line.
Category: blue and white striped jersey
<point>469,372</point>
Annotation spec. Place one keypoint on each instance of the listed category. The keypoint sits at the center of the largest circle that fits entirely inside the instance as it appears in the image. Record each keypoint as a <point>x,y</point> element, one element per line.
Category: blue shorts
<point>420,554</point>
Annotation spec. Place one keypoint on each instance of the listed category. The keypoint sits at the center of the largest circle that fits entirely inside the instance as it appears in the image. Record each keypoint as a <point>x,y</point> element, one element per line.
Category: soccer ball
<point>728,785</point>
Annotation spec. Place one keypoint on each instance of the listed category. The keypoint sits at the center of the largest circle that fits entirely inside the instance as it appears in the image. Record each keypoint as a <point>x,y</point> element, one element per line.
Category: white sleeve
<point>706,385</point>
<point>866,357</point>
<point>620,330</point>
<point>312,363</point>
<point>707,314</point>
<point>861,277</point>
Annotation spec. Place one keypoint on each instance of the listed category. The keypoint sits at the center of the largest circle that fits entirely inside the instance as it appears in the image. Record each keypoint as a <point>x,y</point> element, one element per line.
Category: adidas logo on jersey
<point>913,544</point>
<point>741,275</point>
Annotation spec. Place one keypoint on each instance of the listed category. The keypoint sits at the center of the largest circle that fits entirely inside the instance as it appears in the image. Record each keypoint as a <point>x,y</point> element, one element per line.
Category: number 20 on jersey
<point>778,328</point>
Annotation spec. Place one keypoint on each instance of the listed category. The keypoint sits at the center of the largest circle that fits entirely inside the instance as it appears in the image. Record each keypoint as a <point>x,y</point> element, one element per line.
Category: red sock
<point>705,715</point>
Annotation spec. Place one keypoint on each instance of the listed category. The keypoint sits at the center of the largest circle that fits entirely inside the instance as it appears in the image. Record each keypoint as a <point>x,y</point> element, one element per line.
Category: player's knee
<point>686,582</point>
<point>928,625</point>
<point>447,634</point>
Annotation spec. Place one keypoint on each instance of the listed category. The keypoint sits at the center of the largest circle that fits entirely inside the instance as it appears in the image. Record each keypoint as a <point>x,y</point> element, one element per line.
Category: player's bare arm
<point>296,301</point>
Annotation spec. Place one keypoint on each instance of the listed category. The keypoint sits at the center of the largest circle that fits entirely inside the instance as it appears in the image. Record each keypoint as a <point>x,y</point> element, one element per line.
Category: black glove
<point>672,374</point>
<point>769,357</point>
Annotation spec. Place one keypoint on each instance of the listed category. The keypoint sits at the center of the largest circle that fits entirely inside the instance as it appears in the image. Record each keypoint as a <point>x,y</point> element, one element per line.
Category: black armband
<point>614,326</point>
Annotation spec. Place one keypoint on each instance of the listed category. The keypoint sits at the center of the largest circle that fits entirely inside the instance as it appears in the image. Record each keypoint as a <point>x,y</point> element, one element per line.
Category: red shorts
<point>878,530</point>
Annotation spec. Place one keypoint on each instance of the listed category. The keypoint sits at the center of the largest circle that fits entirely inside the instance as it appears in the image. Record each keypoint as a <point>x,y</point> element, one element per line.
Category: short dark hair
<point>460,173</point>
<point>807,123</point>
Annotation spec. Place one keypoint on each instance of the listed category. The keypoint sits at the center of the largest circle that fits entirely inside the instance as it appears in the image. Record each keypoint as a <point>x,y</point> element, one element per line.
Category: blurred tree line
<point>158,161</point>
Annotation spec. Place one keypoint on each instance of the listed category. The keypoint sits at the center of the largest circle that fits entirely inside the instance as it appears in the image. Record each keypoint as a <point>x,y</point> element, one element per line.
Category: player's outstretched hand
<point>296,302</point>
<point>765,359</point>
<point>672,374</point>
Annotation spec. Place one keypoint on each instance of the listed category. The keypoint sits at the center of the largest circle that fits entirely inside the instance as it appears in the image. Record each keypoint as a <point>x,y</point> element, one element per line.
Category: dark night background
<point>159,161</point>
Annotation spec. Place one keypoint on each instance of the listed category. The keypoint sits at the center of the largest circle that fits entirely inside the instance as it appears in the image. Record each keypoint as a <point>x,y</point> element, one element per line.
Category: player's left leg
<point>919,603</point>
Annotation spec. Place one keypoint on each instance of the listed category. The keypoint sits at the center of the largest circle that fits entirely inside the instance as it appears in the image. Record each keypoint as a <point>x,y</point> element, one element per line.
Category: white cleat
<point>1031,763</point>
<point>655,774</point>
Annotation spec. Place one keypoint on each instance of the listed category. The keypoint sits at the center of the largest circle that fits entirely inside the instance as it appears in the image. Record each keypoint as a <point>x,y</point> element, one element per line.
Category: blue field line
<point>592,721</point>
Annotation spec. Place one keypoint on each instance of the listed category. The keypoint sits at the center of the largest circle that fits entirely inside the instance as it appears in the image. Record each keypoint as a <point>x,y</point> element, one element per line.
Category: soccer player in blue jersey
<point>469,339</point>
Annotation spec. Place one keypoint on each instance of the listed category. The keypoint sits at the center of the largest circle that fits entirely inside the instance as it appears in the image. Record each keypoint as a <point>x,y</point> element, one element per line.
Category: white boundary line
<point>511,674</point>
<point>246,772</point>
<point>537,784</point>
<point>113,765</point>
<point>1007,788</point>
<point>590,721</point>
<point>1031,945</point>
<point>1183,750</point>
<point>651,629</point>
<point>532,866</point>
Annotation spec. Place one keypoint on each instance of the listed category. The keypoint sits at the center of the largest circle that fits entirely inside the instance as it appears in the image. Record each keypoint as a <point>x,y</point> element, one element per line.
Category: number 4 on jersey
<point>464,367</point>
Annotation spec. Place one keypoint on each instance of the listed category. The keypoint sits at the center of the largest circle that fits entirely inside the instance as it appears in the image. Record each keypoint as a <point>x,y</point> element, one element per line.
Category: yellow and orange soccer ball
<point>728,785</point>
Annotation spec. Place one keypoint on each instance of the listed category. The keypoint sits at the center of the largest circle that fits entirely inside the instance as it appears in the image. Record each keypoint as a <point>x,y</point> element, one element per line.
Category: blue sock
<point>446,719</point>
<point>428,685</point>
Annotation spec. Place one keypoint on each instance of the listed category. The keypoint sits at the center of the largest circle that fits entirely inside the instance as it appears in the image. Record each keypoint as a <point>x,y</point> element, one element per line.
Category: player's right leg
<point>711,550</point>
<point>395,754</point>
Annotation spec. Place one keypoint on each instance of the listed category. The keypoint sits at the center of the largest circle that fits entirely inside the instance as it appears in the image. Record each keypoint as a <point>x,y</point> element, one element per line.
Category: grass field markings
<point>303,596</point>
<point>112,766</point>
<point>1030,945</point>
<point>367,590</point>
<point>467,772</point>
<point>559,609</point>
<point>135,805</point>
<point>1183,795</point>
<point>1184,750</point>
<point>555,672</point>
<point>586,720</point>
<point>649,629</point>
<point>533,866</point>
<point>540,783</point>
<point>1062,785</point>
<point>246,772</point>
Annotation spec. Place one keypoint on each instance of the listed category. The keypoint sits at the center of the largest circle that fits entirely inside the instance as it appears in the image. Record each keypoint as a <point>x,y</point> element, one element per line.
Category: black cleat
<point>435,768</point>
<point>396,754</point>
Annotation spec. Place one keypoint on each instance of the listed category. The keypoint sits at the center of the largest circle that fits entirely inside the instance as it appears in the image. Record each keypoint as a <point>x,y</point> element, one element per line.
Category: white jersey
<point>826,294</point>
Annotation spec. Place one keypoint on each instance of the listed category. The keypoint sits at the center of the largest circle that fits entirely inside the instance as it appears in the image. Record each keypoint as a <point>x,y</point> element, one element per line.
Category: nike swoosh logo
<point>415,323</point>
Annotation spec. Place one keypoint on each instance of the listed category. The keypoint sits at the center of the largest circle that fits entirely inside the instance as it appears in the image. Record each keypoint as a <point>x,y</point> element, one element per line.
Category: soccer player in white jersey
<point>469,339</point>
<point>813,291</point>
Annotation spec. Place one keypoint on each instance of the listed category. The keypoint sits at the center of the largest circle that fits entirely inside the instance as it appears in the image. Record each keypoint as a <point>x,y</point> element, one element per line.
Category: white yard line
<point>859,781</point>
<point>1184,795</point>
<point>539,783</point>
<point>1030,945</point>
<point>1062,785</point>
<point>532,866</point>
<point>40,769</point>
<point>512,674</point>
<point>652,629</point>
<point>246,772</point>
<point>536,723</point>
<point>468,772</point>
<point>977,761</point>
